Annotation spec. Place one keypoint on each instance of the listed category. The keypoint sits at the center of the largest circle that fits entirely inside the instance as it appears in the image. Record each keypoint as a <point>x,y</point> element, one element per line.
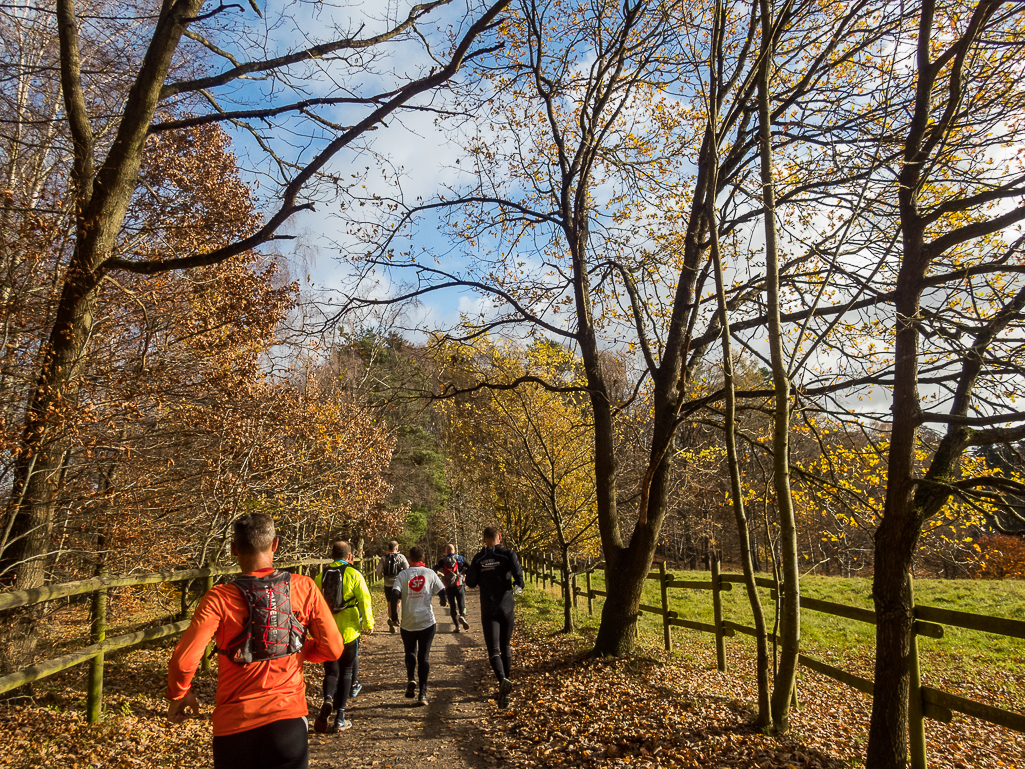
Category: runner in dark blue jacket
<point>496,571</point>
<point>452,569</point>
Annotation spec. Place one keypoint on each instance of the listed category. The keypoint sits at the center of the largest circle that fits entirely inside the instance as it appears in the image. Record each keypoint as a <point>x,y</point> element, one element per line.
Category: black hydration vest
<point>271,630</point>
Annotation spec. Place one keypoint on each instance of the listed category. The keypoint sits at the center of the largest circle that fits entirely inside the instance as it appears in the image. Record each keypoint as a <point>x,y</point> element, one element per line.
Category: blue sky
<point>420,152</point>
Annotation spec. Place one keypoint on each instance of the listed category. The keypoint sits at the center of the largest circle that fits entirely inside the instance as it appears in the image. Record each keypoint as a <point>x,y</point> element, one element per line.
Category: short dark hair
<point>491,532</point>
<point>341,550</point>
<point>416,554</point>
<point>253,533</point>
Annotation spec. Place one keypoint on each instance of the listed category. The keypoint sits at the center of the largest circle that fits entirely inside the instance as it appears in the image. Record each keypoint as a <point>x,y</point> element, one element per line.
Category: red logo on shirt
<point>417,583</point>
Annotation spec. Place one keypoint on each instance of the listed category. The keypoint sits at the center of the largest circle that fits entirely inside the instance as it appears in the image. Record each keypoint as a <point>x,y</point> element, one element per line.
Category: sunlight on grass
<point>961,655</point>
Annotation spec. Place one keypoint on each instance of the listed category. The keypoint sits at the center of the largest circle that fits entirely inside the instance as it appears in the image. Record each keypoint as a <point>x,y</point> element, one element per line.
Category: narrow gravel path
<point>390,731</point>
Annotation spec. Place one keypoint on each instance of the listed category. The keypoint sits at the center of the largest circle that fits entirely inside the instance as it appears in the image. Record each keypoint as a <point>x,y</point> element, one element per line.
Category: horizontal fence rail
<point>929,621</point>
<point>100,646</point>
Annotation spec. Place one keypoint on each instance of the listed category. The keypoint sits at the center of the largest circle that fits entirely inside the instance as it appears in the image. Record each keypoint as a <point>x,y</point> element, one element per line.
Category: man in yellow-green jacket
<point>348,597</point>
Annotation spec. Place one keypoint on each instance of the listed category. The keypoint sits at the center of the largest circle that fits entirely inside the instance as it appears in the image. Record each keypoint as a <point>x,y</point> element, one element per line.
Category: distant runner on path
<point>347,595</point>
<point>388,567</point>
<point>416,587</point>
<point>259,623</point>
<point>496,571</point>
<point>389,730</point>
<point>452,570</point>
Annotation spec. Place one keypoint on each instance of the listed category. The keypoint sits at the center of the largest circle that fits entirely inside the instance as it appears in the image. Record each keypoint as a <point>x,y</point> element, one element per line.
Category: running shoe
<point>422,698</point>
<point>320,725</point>
<point>391,626</point>
<point>465,624</point>
<point>410,689</point>
<point>340,724</point>
<point>504,687</point>
<point>356,689</point>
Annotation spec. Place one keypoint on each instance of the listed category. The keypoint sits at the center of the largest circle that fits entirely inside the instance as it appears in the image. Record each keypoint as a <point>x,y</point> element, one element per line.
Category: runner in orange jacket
<point>260,712</point>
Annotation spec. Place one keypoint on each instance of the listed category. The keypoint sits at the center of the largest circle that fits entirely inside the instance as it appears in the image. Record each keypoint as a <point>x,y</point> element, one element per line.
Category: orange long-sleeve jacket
<point>252,695</point>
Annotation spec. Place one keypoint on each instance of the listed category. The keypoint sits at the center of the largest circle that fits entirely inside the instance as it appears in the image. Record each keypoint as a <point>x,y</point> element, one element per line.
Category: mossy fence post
<point>720,636</point>
<point>98,633</point>
<point>208,585</point>
<point>573,583</point>
<point>663,581</point>
<point>590,594</point>
<point>916,716</point>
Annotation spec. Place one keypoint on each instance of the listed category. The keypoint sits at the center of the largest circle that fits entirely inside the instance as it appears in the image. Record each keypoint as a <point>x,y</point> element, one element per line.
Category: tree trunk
<point>888,730</point>
<point>37,469</point>
<point>730,407</point>
<point>790,599</point>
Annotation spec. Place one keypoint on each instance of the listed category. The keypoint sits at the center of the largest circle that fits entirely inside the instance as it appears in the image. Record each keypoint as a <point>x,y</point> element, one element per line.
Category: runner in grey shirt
<point>416,587</point>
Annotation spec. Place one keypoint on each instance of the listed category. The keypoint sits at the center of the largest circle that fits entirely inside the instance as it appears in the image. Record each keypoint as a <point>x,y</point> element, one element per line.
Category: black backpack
<point>271,630</point>
<point>332,584</point>
<point>392,565</point>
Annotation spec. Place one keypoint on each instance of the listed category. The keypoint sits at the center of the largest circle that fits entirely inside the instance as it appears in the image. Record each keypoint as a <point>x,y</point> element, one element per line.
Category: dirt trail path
<point>389,730</point>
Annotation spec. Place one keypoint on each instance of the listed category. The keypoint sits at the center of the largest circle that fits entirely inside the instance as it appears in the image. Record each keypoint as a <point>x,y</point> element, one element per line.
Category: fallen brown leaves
<point>50,728</point>
<point>652,710</point>
<point>658,710</point>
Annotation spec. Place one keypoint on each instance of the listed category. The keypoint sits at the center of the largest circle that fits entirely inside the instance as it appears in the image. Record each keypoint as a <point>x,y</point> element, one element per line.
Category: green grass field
<point>961,656</point>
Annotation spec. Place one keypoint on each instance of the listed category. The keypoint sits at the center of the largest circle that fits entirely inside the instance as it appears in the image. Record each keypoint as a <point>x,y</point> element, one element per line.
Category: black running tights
<point>340,673</point>
<point>456,595</point>
<point>498,628</point>
<point>417,644</point>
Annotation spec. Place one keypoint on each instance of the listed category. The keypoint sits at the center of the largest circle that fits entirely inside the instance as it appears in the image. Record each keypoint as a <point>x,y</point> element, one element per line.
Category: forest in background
<point>522,457</point>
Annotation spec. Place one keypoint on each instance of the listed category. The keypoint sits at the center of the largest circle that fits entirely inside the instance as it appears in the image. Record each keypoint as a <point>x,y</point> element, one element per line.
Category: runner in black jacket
<point>496,570</point>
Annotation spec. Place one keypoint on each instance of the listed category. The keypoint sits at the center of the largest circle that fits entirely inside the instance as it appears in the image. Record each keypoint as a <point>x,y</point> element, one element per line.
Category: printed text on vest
<point>271,630</point>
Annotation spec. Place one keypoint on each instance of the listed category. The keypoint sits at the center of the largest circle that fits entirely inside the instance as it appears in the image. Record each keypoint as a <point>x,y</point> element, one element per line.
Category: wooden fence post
<point>573,583</point>
<point>98,632</point>
<point>208,585</point>
<point>720,638</point>
<point>184,588</point>
<point>590,595</point>
<point>916,718</point>
<point>663,580</point>
<point>564,585</point>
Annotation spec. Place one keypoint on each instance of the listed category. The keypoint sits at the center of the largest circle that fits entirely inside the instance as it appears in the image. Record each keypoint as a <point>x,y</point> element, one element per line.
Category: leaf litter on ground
<point>661,710</point>
<point>649,710</point>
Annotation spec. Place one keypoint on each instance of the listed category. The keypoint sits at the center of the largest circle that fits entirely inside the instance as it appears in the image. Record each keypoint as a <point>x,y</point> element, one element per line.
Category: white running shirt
<point>418,586</point>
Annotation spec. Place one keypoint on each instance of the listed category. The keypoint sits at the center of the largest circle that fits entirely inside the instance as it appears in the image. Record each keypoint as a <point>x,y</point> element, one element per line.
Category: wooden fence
<point>101,645</point>
<point>923,701</point>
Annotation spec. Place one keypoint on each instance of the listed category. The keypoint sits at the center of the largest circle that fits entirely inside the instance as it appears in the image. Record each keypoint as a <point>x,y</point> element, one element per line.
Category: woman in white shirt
<point>416,587</point>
